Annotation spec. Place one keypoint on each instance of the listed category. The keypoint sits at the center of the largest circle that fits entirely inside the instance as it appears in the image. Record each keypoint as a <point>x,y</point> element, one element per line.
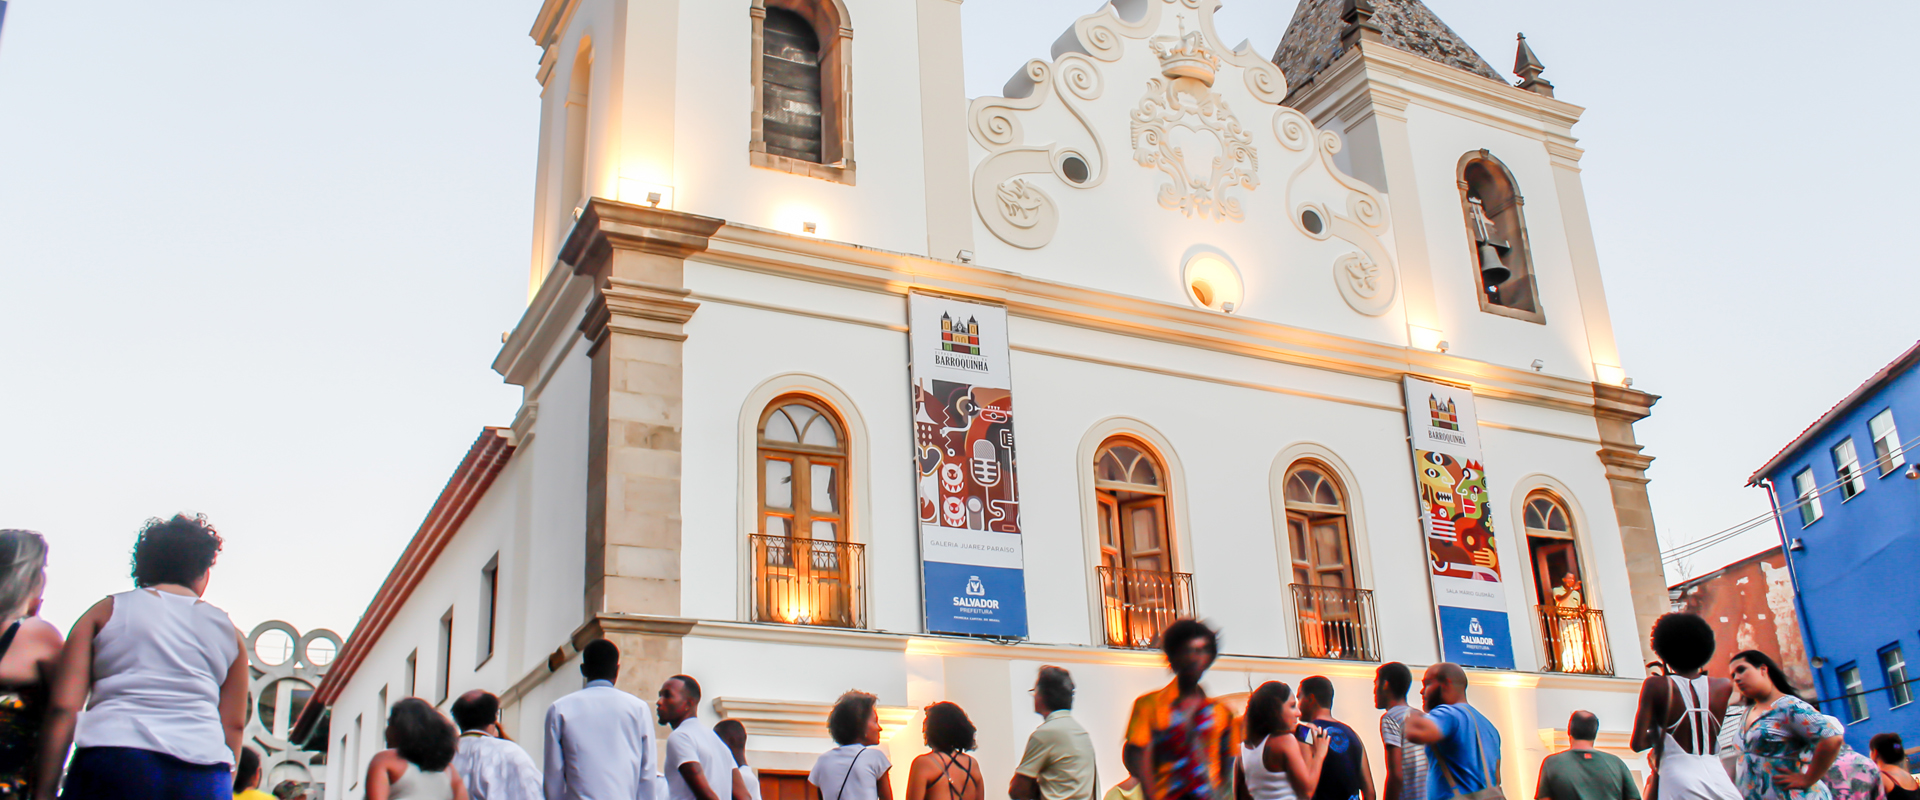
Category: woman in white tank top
<point>1681,713</point>
<point>162,676</point>
<point>1273,764</point>
<point>420,765</point>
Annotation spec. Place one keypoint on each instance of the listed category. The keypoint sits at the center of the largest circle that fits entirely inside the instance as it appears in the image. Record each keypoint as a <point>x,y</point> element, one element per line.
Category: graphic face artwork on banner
<point>971,561</point>
<point>1463,559</point>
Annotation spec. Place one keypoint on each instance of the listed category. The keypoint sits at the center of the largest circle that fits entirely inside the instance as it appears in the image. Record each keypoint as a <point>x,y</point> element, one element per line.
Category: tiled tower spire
<point>1323,30</point>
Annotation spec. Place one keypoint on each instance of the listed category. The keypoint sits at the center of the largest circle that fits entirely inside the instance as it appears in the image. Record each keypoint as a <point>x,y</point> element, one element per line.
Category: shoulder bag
<point>1492,790</point>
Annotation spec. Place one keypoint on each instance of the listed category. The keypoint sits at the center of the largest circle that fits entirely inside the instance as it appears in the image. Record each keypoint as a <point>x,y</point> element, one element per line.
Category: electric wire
<point>1699,545</point>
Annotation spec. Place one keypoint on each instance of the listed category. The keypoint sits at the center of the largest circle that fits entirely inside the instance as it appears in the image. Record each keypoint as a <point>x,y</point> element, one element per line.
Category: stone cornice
<point>606,226</point>
<point>880,271</point>
<point>1622,403</point>
<point>642,309</point>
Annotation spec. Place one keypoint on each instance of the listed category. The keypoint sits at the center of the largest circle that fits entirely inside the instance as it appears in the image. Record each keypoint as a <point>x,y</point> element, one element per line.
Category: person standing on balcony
<point>699,765</point>
<point>1681,712</point>
<point>857,769</point>
<point>1463,744</point>
<point>1581,772</point>
<point>600,739</point>
<point>1346,775</point>
<point>1273,765</point>
<point>1406,761</point>
<point>1180,743</point>
<point>1059,762</point>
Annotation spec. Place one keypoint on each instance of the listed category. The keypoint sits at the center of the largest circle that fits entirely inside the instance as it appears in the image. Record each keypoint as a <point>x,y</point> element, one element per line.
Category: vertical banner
<point>971,561</point>
<point>1462,560</point>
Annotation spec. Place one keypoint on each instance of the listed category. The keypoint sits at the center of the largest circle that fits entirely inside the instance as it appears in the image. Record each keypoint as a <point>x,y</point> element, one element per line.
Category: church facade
<point>834,379</point>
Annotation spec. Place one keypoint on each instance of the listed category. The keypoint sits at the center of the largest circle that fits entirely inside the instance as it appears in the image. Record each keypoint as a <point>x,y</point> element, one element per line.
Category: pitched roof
<point>463,491</point>
<point>1859,395</point>
<point>1312,42</point>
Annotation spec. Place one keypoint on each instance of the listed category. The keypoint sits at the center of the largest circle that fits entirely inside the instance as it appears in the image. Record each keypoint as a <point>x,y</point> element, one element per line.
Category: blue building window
<point>1886,443</point>
<point>1856,697</point>
<point>1809,497</point>
<point>1899,693</point>
<point>1846,464</point>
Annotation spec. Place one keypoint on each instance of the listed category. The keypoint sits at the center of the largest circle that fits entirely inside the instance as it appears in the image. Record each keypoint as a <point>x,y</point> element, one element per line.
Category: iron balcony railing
<point>809,581</point>
<point>1336,622</point>
<point>1576,640</point>
<point>1140,603</point>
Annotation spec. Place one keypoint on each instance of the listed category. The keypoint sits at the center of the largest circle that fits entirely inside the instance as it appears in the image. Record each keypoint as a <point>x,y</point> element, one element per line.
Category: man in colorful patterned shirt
<point>1180,743</point>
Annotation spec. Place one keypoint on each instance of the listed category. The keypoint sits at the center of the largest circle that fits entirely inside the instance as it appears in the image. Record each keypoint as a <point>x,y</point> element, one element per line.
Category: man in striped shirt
<point>1406,761</point>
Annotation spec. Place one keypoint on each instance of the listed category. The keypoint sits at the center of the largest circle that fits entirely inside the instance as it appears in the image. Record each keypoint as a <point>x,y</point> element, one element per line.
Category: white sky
<point>255,258</point>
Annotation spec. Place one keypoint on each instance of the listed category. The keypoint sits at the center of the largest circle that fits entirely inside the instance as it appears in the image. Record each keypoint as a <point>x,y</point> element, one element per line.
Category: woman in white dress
<point>1681,713</point>
<point>420,765</point>
<point>1273,764</point>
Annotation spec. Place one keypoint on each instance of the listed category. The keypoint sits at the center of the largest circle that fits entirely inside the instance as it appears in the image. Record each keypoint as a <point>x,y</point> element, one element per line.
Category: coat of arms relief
<point>1184,125</point>
<point>1185,129</point>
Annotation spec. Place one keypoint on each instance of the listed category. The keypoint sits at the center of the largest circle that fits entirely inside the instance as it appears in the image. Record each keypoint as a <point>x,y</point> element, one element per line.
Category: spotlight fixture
<point>809,227</point>
<point>965,256</point>
<point>1539,365</point>
<point>653,199</point>
<point>1442,346</point>
<point>1913,472</point>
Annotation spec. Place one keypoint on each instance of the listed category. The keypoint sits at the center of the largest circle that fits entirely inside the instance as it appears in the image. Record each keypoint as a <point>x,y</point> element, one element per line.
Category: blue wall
<point>1859,569</point>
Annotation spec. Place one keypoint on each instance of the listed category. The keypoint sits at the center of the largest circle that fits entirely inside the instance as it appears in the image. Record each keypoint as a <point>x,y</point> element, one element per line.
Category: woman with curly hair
<point>1681,711</point>
<point>947,772</point>
<point>162,675</point>
<point>420,764</point>
<point>856,769</point>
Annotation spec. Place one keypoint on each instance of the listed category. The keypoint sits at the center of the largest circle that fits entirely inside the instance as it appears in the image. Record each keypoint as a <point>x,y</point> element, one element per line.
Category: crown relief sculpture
<point>1218,157</point>
<point>1181,127</point>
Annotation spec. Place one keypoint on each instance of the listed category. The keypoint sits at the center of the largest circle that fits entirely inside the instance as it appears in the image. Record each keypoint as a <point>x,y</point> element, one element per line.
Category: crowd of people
<point>162,677</point>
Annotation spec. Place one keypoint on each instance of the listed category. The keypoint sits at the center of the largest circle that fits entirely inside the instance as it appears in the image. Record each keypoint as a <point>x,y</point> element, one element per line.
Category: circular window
<point>1310,219</point>
<point>1075,168</point>
<point>273,647</point>
<point>1213,283</point>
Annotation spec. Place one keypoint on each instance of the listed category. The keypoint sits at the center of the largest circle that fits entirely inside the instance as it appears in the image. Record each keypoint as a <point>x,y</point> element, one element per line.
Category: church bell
<point>1492,271</point>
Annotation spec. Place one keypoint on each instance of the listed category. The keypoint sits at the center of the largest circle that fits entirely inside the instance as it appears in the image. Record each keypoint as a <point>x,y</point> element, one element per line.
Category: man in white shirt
<point>492,767</point>
<point>697,761</point>
<point>600,739</point>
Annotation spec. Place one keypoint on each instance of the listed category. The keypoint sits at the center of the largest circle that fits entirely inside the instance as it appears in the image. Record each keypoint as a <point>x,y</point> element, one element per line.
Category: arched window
<point>801,120</point>
<point>1573,630</point>
<point>1141,592</point>
<point>1335,615</point>
<point>1497,230</point>
<point>806,572</point>
<point>803,470</point>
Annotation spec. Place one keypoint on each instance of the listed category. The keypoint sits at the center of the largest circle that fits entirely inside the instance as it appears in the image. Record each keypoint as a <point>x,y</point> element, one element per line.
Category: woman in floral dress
<point>1787,747</point>
<point>1853,776</point>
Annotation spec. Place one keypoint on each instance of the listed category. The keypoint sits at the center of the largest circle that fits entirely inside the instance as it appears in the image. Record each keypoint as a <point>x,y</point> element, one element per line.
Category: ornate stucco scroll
<point>1366,278</point>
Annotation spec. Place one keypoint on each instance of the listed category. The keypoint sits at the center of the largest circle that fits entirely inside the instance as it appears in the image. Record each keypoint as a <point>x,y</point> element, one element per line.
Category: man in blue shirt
<point>1463,747</point>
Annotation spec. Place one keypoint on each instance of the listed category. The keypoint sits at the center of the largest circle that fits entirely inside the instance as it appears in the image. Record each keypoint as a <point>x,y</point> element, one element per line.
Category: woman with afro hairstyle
<point>162,675</point>
<point>1681,712</point>
<point>946,772</point>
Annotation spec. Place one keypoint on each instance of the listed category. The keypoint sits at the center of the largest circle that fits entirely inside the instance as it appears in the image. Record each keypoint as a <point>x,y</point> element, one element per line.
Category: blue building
<point>1848,494</point>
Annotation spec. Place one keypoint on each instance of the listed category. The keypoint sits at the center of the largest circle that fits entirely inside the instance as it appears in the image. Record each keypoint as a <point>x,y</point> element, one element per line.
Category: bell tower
<point>1459,151</point>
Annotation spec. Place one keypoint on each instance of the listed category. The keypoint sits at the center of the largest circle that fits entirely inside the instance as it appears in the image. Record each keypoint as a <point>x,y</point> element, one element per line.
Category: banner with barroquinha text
<point>971,561</point>
<point>1470,602</point>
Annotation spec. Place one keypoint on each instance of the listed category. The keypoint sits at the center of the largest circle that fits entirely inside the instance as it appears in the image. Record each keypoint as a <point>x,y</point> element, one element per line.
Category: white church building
<point>1313,347</point>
